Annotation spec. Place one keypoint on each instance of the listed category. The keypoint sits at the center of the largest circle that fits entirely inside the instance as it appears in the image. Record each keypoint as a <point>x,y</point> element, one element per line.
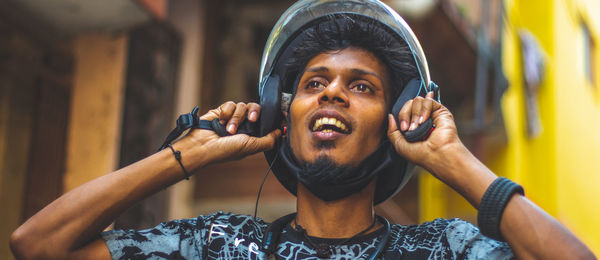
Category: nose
<point>334,93</point>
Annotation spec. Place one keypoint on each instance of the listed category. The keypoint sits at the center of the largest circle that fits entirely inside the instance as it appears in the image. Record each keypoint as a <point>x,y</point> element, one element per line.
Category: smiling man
<point>345,152</point>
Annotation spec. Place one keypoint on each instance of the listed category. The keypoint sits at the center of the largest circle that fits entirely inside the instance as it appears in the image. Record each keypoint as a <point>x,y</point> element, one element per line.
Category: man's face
<point>339,111</point>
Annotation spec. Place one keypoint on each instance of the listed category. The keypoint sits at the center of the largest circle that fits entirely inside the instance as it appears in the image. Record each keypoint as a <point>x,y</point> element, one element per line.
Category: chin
<point>325,145</point>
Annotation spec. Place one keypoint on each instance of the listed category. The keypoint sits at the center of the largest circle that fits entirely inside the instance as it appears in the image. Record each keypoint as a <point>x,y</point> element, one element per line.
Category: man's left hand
<point>430,152</point>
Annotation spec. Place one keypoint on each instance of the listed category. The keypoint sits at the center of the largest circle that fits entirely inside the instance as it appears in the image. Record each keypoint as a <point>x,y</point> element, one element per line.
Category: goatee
<point>325,171</point>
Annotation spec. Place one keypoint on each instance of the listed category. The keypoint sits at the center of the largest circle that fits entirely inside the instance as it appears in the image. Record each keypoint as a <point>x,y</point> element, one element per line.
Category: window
<point>589,54</point>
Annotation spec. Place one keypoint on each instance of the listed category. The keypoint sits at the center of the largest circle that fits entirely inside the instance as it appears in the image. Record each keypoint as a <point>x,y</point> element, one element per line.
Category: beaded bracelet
<point>493,204</point>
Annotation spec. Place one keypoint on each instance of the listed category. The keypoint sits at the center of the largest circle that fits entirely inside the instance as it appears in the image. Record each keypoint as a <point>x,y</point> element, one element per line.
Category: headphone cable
<point>263,182</point>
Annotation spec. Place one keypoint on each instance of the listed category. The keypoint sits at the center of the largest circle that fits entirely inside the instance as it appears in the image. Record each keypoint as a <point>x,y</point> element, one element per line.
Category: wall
<point>16,122</point>
<point>95,120</point>
<point>577,121</point>
<point>185,15</point>
<point>558,168</point>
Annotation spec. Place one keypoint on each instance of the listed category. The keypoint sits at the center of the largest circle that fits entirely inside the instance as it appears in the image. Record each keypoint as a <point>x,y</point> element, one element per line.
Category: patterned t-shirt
<point>229,236</point>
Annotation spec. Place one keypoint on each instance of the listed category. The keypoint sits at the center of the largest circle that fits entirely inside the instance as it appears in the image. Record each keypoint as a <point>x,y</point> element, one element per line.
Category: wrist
<point>458,168</point>
<point>194,155</point>
<point>443,162</point>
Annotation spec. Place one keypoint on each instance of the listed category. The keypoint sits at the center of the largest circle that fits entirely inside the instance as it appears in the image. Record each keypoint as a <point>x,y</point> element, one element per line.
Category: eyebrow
<point>316,69</point>
<point>354,71</point>
<point>364,72</point>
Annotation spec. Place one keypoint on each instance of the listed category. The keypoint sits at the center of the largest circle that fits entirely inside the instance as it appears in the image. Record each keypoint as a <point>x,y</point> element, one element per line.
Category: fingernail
<point>413,125</point>
<point>230,128</point>
<point>252,116</point>
<point>421,120</point>
<point>403,125</point>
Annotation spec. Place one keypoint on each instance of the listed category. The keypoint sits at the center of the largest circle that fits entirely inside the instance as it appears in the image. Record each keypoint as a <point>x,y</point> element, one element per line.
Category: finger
<point>440,113</point>
<point>210,115</point>
<point>394,135</point>
<point>404,115</point>
<point>429,95</point>
<point>264,143</point>
<point>416,111</point>
<point>237,118</point>
<point>253,112</point>
<point>427,107</point>
<point>392,126</point>
<point>226,111</point>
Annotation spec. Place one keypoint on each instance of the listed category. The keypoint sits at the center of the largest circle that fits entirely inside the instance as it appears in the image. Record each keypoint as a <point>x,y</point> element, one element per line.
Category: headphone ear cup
<point>270,105</point>
<point>410,91</point>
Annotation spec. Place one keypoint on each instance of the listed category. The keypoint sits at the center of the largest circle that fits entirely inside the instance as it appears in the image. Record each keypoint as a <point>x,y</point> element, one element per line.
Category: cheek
<point>296,126</point>
<point>374,122</point>
<point>376,117</point>
<point>295,116</point>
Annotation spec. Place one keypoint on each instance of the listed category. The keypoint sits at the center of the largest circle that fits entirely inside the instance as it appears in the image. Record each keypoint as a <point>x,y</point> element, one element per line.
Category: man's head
<point>346,72</point>
<point>344,64</point>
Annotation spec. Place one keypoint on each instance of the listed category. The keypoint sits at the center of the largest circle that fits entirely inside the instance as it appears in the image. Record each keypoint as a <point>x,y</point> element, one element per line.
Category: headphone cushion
<point>410,91</point>
<point>270,103</point>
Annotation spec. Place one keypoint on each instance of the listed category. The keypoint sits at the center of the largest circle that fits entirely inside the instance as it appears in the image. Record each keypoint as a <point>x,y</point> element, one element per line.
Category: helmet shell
<point>305,11</point>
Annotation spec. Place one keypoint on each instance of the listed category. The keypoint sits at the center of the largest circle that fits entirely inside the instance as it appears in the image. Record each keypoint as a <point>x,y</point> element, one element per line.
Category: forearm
<point>531,232</point>
<point>534,234</point>
<point>81,214</point>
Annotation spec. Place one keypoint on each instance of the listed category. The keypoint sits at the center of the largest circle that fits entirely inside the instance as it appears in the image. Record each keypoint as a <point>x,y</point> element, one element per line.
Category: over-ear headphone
<point>271,108</point>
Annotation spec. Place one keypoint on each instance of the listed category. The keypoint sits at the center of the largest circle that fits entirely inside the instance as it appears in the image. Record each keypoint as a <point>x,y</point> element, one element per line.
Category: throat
<point>324,249</point>
<point>342,218</point>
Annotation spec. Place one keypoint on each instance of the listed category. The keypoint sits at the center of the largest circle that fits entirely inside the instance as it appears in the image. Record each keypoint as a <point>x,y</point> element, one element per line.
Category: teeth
<point>329,121</point>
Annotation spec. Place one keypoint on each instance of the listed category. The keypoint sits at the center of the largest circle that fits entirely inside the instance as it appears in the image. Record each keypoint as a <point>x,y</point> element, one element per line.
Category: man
<point>345,74</point>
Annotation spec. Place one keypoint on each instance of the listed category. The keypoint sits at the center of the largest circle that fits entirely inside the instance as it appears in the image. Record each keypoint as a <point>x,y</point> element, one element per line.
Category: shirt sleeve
<point>175,239</point>
<point>466,242</point>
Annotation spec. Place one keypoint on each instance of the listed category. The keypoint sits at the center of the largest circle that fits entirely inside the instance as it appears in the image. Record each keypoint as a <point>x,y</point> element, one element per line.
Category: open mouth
<point>329,124</point>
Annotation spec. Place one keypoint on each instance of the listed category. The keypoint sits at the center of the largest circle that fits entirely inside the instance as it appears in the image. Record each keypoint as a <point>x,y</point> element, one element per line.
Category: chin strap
<point>193,121</point>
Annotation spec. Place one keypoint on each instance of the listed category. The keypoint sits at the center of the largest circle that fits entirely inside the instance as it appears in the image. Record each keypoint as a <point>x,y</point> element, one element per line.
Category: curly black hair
<point>340,31</point>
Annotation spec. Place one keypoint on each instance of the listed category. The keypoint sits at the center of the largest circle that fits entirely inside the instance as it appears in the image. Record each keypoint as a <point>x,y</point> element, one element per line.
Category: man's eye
<point>314,84</point>
<point>361,88</point>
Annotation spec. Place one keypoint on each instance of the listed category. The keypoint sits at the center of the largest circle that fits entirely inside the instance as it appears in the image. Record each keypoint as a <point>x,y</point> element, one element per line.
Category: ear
<point>284,124</point>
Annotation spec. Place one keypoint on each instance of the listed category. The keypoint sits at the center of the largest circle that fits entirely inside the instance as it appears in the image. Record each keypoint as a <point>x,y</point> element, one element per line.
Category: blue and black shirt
<point>230,236</point>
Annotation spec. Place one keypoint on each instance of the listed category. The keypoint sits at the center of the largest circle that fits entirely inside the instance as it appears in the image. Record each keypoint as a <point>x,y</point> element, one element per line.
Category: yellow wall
<point>559,169</point>
<point>577,122</point>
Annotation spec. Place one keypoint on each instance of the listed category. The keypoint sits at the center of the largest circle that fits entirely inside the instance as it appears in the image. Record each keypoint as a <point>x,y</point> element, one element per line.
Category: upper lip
<point>330,114</point>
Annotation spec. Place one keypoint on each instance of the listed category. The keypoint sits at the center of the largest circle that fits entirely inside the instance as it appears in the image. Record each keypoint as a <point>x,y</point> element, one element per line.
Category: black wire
<point>263,182</point>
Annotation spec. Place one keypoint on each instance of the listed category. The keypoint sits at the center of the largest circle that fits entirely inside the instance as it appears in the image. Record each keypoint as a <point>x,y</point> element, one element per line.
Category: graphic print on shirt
<point>239,237</point>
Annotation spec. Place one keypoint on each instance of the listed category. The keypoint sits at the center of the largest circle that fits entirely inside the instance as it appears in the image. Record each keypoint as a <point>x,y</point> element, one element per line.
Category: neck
<point>336,219</point>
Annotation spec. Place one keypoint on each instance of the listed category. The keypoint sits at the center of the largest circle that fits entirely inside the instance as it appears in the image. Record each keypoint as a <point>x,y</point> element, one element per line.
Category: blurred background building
<point>87,87</point>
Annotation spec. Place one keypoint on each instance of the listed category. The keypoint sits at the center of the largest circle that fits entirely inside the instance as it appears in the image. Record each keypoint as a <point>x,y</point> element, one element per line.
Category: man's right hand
<point>236,146</point>
<point>74,221</point>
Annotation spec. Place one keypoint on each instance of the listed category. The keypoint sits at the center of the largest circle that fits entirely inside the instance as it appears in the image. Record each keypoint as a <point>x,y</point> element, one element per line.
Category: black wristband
<point>177,155</point>
<point>492,206</point>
